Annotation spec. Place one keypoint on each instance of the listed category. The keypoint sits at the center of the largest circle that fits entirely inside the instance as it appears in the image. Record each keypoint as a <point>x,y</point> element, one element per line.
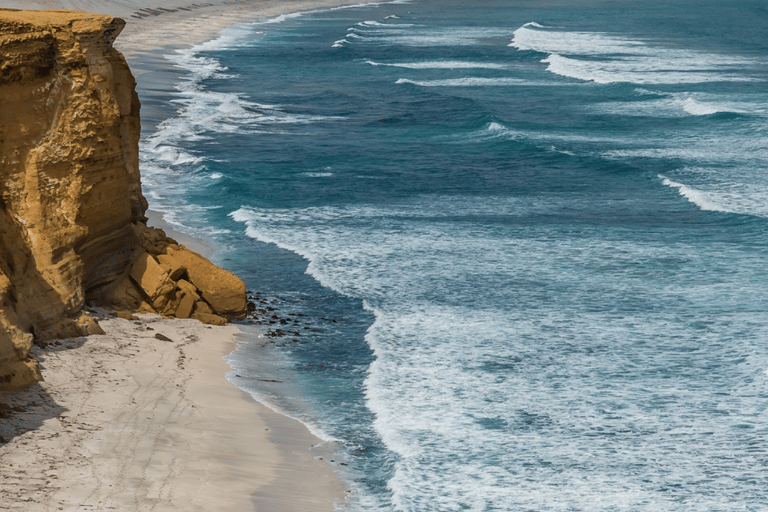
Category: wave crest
<point>608,58</point>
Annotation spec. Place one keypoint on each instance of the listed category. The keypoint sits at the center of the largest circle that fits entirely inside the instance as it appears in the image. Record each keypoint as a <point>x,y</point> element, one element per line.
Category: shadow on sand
<point>27,409</point>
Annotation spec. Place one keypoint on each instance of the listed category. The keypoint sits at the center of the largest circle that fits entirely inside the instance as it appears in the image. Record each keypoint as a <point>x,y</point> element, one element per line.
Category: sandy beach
<point>143,417</point>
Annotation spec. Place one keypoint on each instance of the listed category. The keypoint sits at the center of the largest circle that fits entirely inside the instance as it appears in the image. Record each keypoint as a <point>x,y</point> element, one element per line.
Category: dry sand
<point>143,418</point>
<point>130,422</point>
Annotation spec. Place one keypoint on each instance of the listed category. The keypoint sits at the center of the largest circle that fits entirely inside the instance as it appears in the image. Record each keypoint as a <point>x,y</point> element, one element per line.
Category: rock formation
<point>167,278</point>
<point>72,224</point>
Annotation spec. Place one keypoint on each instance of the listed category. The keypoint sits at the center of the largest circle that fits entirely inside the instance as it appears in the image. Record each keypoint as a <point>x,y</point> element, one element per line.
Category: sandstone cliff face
<point>71,207</point>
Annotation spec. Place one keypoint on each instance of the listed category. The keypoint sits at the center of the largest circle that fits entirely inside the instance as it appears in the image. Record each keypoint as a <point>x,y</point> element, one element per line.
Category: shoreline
<point>129,421</point>
<point>201,246</point>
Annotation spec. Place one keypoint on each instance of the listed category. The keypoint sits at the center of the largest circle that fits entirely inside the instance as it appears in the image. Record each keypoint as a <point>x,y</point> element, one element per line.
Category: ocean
<point>516,250</point>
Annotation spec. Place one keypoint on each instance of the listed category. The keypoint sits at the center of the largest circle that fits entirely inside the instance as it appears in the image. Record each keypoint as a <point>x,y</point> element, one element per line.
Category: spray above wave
<point>607,58</point>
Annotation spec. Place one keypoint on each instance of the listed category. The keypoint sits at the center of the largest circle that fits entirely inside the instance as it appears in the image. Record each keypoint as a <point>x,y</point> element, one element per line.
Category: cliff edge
<point>72,224</point>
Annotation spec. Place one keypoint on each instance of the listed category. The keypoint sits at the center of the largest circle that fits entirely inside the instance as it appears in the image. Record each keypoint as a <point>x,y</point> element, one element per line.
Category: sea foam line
<point>697,197</point>
<point>440,64</point>
<point>613,58</point>
<point>466,82</point>
<point>681,104</point>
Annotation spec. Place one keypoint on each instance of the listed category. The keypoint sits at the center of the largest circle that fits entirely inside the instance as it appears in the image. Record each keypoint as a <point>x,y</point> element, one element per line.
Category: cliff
<point>72,225</point>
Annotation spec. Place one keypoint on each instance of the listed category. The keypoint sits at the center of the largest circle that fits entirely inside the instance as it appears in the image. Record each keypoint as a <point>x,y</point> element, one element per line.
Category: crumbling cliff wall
<point>71,208</point>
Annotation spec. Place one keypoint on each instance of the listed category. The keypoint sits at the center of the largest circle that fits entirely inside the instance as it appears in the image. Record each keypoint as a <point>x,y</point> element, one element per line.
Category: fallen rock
<point>223,290</point>
<point>203,307</point>
<point>169,279</point>
<point>186,305</point>
<point>126,315</point>
<point>150,276</point>
<point>211,319</point>
<point>89,325</point>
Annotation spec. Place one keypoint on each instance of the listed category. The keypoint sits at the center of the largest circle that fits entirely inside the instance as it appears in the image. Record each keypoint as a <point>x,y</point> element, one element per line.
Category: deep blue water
<point>524,243</point>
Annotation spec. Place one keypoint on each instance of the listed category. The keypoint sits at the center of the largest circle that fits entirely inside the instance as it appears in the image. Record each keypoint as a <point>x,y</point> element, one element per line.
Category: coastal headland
<point>112,337</point>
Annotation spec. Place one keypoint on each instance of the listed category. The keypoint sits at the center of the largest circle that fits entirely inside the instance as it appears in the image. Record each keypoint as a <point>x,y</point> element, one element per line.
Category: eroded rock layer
<point>71,207</point>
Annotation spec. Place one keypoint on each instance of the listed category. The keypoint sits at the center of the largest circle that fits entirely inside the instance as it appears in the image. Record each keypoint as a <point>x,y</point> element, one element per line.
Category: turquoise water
<point>523,243</point>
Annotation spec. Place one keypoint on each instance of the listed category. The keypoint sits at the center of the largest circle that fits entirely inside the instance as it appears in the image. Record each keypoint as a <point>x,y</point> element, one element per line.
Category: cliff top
<point>15,23</point>
<point>55,18</point>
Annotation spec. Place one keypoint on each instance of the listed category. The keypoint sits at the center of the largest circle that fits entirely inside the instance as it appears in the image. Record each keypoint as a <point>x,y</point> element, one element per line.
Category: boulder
<point>186,305</point>
<point>126,315</point>
<point>88,325</point>
<point>202,307</point>
<point>122,294</point>
<point>176,270</point>
<point>209,318</point>
<point>152,278</point>
<point>221,289</point>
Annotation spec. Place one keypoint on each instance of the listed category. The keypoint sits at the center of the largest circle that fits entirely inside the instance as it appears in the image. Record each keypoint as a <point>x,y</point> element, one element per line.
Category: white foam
<point>168,169</point>
<point>367,24</point>
<point>608,58</point>
<point>701,199</point>
<point>646,92</point>
<point>496,127</point>
<point>426,384</point>
<point>502,361</point>
<point>439,37</point>
<point>466,82</point>
<point>572,43</point>
<point>285,17</point>
<point>634,70</point>
<point>228,38</point>
<point>737,147</point>
<point>700,108</point>
<point>738,189</point>
<point>446,64</point>
<point>683,104</point>
<point>187,212</point>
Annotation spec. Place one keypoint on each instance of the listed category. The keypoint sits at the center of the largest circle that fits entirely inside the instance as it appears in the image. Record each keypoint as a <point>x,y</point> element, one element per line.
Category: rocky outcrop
<point>71,208</point>
<point>169,279</point>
